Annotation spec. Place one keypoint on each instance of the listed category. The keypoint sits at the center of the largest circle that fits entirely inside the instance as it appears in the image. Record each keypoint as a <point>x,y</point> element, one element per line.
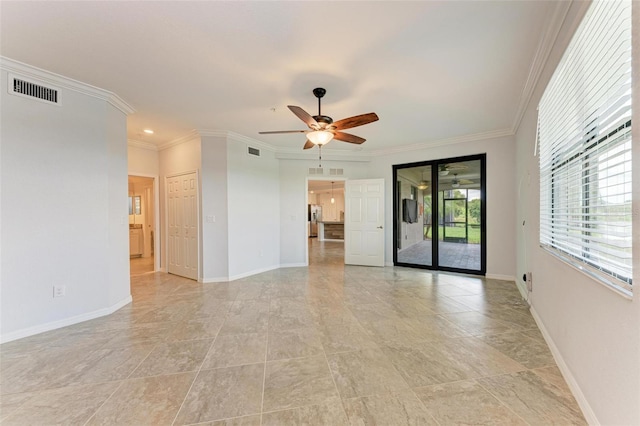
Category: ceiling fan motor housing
<point>323,119</point>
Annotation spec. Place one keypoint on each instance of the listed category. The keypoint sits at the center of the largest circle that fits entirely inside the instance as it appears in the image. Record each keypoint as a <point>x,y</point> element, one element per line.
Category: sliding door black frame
<point>435,210</point>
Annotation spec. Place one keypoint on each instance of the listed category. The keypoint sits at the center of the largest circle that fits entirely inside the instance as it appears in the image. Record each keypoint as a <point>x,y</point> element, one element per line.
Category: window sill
<point>609,284</point>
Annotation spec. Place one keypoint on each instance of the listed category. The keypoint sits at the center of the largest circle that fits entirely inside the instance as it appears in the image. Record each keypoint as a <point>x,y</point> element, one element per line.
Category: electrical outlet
<point>260,253</point>
<point>529,277</point>
<point>59,290</point>
<point>211,219</point>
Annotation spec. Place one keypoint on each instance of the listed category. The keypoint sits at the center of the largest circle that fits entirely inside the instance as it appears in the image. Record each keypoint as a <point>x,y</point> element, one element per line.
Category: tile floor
<point>323,345</point>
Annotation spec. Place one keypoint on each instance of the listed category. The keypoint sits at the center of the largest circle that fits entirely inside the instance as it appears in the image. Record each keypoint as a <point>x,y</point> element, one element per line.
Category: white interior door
<point>363,222</point>
<point>182,218</point>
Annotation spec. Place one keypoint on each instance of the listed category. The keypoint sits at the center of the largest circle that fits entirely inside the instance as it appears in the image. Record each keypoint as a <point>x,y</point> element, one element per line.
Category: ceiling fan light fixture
<point>423,185</point>
<point>455,183</point>
<point>320,137</point>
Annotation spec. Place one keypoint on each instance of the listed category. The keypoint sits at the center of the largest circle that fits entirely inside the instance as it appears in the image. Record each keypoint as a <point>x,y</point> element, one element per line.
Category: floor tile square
<point>223,393</point>
<point>298,382</point>
<point>364,373</point>
<point>145,401</point>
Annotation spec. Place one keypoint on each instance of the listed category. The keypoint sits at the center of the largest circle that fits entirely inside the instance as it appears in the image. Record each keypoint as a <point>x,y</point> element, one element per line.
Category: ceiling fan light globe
<point>320,137</point>
<point>455,185</point>
<point>443,172</point>
<point>423,185</point>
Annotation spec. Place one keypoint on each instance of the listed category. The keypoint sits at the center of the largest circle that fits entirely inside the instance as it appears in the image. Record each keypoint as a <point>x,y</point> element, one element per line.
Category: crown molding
<point>142,145</point>
<point>540,59</point>
<point>494,134</point>
<point>237,138</point>
<point>192,135</point>
<point>48,77</point>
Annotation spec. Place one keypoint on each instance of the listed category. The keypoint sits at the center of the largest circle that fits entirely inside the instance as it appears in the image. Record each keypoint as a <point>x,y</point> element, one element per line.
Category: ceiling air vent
<point>253,151</point>
<point>336,172</point>
<point>32,90</point>
<point>316,171</point>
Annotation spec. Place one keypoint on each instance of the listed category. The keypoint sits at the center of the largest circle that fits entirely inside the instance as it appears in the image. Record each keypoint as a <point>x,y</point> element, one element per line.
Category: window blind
<point>584,139</point>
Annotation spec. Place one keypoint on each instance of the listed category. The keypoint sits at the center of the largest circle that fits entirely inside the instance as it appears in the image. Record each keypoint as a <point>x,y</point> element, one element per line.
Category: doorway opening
<point>325,221</point>
<point>143,237</point>
<point>440,214</point>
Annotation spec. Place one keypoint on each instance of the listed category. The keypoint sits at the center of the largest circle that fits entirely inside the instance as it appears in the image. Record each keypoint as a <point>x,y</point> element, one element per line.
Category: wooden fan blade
<point>466,182</point>
<point>308,144</point>
<point>347,137</point>
<point>304,116</point>
<point>281,131</point>
<point>355,121</point>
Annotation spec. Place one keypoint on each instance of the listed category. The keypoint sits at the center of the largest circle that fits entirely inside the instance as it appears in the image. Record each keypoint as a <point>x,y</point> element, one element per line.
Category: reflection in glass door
<point>448,234</point>
<point>414,230</point>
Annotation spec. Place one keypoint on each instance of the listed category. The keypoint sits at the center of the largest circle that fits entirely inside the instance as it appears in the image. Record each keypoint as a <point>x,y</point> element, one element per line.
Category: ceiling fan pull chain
<point>320,156</point>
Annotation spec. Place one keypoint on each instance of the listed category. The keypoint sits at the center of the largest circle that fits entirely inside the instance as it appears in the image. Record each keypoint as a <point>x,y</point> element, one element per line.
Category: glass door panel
<point>459,218</point>
<point>414,216</point>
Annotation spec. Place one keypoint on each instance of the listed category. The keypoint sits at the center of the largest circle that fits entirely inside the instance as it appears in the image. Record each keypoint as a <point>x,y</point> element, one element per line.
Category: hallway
<point>324,345</point>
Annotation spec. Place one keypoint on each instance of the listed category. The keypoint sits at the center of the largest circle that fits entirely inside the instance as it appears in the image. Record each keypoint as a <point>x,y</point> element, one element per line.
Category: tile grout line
<point>200,368</point>
<point>425,407</point>
<point>104,402</point>
<point>326,358</point>
<point>499,400</point>
<point>266,353</point>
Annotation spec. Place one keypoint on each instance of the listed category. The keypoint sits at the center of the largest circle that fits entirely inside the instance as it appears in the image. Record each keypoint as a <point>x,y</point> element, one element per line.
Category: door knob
<point>379,227</point>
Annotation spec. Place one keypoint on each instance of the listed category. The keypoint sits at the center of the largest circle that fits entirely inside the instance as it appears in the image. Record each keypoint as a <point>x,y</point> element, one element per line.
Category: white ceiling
<point>431,70</point>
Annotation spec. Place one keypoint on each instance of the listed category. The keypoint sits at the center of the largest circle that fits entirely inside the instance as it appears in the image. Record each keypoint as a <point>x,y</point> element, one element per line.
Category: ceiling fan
<point>322,128</point>
<point>444,169</point>
<point>455,183</point>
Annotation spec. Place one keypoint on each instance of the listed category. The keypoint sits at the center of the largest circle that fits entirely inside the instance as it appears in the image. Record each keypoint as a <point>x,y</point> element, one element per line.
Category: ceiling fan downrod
<point>319,92</point>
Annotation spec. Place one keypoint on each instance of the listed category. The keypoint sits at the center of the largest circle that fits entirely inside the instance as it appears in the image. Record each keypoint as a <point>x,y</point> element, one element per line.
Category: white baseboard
<point>254,272</point>
<point>238,276</point>
<point>30,331</point>
<point>388,263</point>
<point>522,288</point>
<point>213,280</point>
<point>500,277</point>
<point>293,265</point>
<point>588,413</point>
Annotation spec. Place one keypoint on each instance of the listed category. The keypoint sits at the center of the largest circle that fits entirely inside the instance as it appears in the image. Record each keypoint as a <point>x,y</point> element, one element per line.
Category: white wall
<point>118,287</point>
<point>215,235</point>
<point>594,332</point>
<point>142,161</point>
<point>52,233</point>
<point>500,192</point>
<point>254,210</point>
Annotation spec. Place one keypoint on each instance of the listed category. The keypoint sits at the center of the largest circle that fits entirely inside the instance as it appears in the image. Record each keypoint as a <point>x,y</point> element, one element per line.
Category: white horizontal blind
<point>584,131</point>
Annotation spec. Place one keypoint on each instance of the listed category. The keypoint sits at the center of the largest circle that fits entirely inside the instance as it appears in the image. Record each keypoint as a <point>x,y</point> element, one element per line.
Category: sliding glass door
<point>414,216</point>
<point>448,234</point>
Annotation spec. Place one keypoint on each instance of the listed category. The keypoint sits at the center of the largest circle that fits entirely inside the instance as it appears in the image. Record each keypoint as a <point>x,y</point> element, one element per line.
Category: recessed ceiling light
<point>148,131</point>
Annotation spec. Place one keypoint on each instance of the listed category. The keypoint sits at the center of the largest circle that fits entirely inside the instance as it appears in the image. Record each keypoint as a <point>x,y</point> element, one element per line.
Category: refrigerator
<point>314,216</point>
